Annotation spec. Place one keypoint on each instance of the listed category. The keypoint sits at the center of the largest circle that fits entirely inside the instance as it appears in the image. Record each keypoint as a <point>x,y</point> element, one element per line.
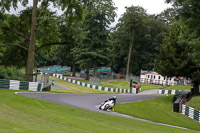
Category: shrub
<point>11,73</point>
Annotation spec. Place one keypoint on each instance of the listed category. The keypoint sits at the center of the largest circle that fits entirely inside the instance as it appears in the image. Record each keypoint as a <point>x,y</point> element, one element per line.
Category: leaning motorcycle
<point>108,104</point>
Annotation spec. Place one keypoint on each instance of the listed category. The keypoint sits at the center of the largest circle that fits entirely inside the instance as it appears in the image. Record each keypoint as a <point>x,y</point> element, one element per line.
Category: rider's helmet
<point>114,97</point>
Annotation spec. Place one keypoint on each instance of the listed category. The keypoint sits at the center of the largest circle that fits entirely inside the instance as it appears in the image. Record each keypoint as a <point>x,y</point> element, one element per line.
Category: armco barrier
<point>185,110</point>
<point>191,112</point>
<point>160,91</point>
<point>133,90</point>
<point>20,85</point>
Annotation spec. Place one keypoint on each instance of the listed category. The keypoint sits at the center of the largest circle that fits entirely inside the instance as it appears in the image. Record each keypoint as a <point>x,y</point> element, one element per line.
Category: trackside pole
<point>51,87</point>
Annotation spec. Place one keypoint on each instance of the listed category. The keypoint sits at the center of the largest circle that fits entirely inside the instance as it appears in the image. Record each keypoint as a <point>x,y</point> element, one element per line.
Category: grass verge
<point>124,84</point>
<point>194,102</point>
<point>74,88</point>
<point>22,114</point>
<point>146,87</point>
<point>158,110</point>
<point>118,83</point>
<point>178,87</point>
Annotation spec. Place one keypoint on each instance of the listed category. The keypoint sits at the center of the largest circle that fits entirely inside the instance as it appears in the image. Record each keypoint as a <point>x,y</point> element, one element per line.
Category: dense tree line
<point>180,52</point>
<point>129,47</point>
<point>82,38</point>
<point>37,26</point>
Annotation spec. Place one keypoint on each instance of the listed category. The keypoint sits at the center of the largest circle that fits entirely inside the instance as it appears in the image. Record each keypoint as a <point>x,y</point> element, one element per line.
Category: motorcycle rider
<point>113,98</point>
<point>110,99</point>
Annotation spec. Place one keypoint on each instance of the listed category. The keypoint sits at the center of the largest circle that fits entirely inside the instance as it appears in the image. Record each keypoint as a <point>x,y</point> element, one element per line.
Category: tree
<point>130,29</point>
<point>169,15</point>
<point>146,47</point>
<point>175,59</point>
<point>94,48</point>
<point>185,42</point>
<point>72,9</point>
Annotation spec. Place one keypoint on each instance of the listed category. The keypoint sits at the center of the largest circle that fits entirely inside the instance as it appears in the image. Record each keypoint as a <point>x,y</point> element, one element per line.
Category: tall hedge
<point>11,73</point>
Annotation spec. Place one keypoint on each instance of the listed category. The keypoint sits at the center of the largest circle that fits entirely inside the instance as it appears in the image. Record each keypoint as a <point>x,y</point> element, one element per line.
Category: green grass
<point>194,102</point>
<point>118,83</point>
<point>146,87</point>
<point>178,87</point>
<point>123,84</point>
<point>158,110</point>
<point>22,114</point>
<point>112,83</point>
<point>73,88</point>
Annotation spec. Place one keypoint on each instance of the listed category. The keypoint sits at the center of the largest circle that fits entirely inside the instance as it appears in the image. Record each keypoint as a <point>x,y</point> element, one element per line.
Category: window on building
<point>158,77</point>
<point>154,77</point>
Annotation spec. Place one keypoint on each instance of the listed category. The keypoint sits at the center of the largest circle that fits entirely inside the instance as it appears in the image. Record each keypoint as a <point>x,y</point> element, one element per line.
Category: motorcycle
<point>108,104</point>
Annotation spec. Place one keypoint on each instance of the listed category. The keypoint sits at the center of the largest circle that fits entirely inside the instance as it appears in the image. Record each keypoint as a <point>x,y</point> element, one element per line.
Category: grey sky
<point>152,6</point>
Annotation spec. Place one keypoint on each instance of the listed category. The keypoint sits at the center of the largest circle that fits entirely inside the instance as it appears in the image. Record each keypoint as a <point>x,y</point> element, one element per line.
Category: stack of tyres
<point>180,98</point>
<point>4,84</point>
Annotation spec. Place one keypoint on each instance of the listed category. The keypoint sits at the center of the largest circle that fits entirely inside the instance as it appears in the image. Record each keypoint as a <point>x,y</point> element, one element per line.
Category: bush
<point>11,73</point>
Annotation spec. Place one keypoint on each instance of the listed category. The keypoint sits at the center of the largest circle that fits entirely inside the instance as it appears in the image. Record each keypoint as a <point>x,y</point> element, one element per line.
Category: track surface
<point>86,101</point>
<point>91,101</point>
<point>59,87</point>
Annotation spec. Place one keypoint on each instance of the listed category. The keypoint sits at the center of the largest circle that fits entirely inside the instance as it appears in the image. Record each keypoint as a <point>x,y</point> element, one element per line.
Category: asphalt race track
<point>91,101</point>
<point>87,101</point>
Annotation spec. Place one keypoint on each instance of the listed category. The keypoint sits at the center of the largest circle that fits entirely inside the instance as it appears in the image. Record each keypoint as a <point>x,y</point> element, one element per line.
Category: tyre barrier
<point>191,112</point>
<point>20,85</point>
<point>179,101</point>
<point>181,98</point>
<point>132,90</point>
<point>173,92</point>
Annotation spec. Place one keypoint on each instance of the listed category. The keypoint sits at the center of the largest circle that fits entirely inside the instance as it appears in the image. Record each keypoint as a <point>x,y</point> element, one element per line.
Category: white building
<point>153,77</point>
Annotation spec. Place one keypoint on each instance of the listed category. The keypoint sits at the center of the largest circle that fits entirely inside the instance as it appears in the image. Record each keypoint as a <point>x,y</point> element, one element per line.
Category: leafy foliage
<point>180,51</point>
<point>93,49</point>
<point>10,73</point>
<point>144,32</point>
<point>42,23</point>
